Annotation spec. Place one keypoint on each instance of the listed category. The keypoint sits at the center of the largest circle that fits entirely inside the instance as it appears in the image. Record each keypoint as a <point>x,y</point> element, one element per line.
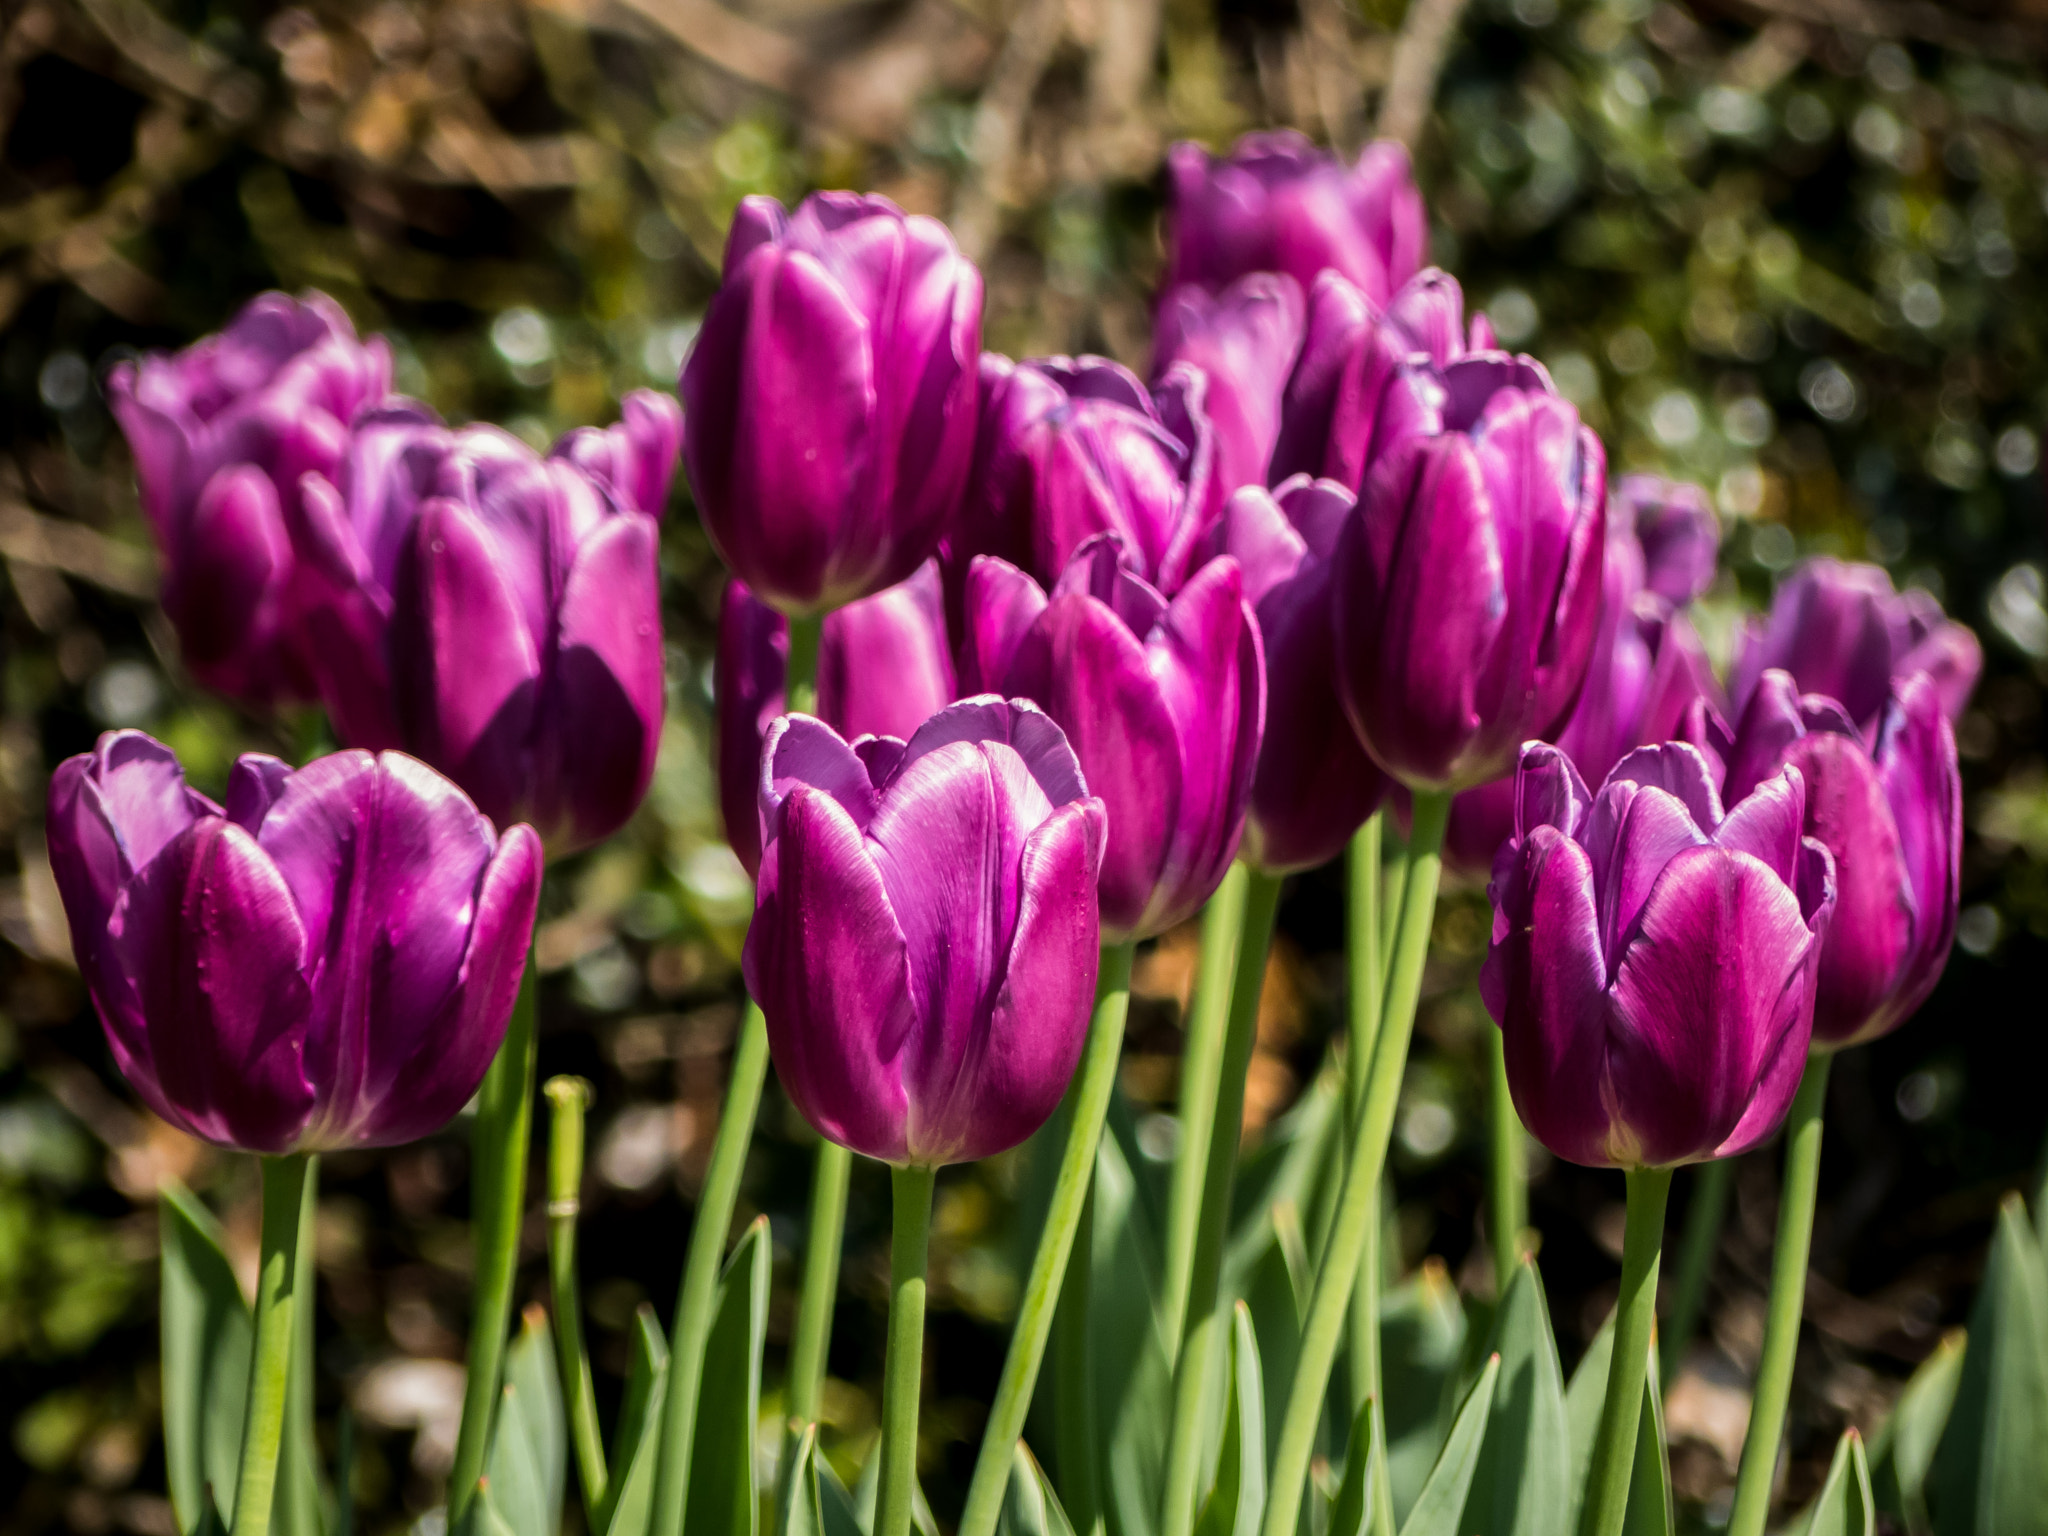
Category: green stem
<point>1365,940</point>
<point>1201,1064</point>
<point>568,1097</point>
<point>1704,1214</point>
<point>1788,1298</point>
<point>1204,1319</point>
<point>1088,1103</point>
<point>832,1170</point>
<point>700,1274</point>
<point>1337,1276</point>
<point>1507,1188</point>
<point>1074,1380</point>
<point>284,1190</point>
<point>1621,1413</point>
<point>504,1128</point>
<point>800,690</point>
<point>298,1467</point>
<point>903,1371</point>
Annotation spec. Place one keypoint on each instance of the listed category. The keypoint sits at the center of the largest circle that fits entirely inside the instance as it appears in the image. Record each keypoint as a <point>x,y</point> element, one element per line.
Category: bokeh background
<point>1789,248</point>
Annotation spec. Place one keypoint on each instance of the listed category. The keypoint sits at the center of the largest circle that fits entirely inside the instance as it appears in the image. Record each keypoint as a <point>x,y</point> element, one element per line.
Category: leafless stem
<point>1419,54</point>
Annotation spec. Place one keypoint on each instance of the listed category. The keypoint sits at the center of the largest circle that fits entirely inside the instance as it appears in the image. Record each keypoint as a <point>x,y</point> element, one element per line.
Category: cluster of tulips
<point>1021,664</point>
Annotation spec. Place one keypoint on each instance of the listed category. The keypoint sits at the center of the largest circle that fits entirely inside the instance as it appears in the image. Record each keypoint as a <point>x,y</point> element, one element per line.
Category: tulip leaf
<point>1276,1291</point>
<point>1902,1451</point>
<point>1282,1171</point>
<point>1990,1476</point>
<point>1365,1465</point>
<point>1422,1332</point>
<point>1846,1506</point>
<point>1520,1487</point>
<point>1583,1399</point>
<point>1650,1505</point>
<point>1650,1509</point>
<point>625,1508</point>
<point>809,1500</point>
<point>1030,1507</point>
<point>867,1494</point>
<point>1133,1382</point>
<point>723,1498</point>
<point>1238,1499</point>
<point>1442,1499</point>
<point>526,1470</point>
<point>207,1337</point>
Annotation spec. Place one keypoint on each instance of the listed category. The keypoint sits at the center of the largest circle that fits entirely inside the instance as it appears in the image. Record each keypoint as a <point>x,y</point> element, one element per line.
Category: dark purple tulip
<point>636,457</point>
<point>493,612</point>
<point>221,433</point>
<point>1245,340</point>
<point>1841,630</point>
<point>1276,203</point>
<point>1891,813</point>
<point>1314,785</point>
<point>1673,525</point>
<point>1469,579</point>
<point>925,940</point>
<point>1652,963</point>
<point>1164,704</point>
<point>831,397</point>
<point>884,668</point>
<point>329,961</point>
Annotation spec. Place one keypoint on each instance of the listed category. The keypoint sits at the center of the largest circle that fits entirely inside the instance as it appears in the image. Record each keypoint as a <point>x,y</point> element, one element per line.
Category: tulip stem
<point>499,1143</point>
<point>1201,1064</point>
<point>800,686</point>
<point>1357,1206</point>
<point>284,1190</point>
<point>1204,1319</point>
<point>822,1243</point>
<point>903,1372</point>
<point>1074,1380</point>
<point>567,1098</point>
<point>1508,1168</point>
<point>1087,1105</point>
<point>1704,1213</point>
<point>1605,1510</point>
<point>1364,938</point>
<point>1788,1298</point>
<point>699,1289</point>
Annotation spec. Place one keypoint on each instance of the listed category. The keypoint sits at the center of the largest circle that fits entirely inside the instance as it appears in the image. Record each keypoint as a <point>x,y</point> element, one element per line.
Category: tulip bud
<point>1652,962</point>
<point>636,458</point>
<point>1675,532</point>
<point>1276,203</point>
<point>831,397</point>
<point>1164,704</point>
<point>925,941</point>
<point>1245,341</point>
<point>329,961</point>
<point>884,668</point>
<point>1891,814</point>
<point>1468,580</point>
<point>493,612</point>
<point>221,433</point>
<point>1314,785</point>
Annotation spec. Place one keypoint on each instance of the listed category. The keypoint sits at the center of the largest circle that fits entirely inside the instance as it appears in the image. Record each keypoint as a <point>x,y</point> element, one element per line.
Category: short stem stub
<point>568,1097</point>
<point>1635,1316</point>
<point>284,1187</point>
<point>1507,1168</point>
<point>903,1371</point>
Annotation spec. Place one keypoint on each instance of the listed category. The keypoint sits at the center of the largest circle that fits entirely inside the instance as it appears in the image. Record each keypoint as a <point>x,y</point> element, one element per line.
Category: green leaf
<point>526,1470</point>
<point>1422,1331</point>
<point>1442,1498</point>
<point>808,1498</point>
<point>1650,1506</point>
<point>1520,1487</point>
<point>207,1337</point>
<point>1650,1510</point>
<point>1846,1506</point>
<point>723,1498</point>
<point>1030,1507</point>
<point>1281,1171</point>
<point>1238,1500</point>
<point>1990,1474</point>
<point>1583,1398</point>
<point>1133,1382</point>
<point>868,1492</point>
<point>1276,1291</point>
<point>1902,1451</point>
<point>1365,1458</point>
<point>635,1446</point>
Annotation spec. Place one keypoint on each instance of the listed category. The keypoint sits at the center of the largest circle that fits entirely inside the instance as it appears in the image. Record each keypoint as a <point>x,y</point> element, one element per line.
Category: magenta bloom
<point>884,668</point>
<point>1653,962</point>
<point>1314,785</point>
<point>925,941</point>
<point>327,961</point>
<point>831,397</point>
<point>1164,704</point>
<point>221,433</point>
<point>1245,341</point>
<point>493,612</point>
<point>1469,579</point>
<point>1890,810</point>
<point>1276,203</point>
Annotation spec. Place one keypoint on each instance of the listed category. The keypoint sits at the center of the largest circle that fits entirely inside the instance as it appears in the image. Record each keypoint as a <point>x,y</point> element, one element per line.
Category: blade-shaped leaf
<point>1133,1383</point>
<point>207,1336</point>
<point>1902,1451</point>
<point>1650,1510</point>
<point>1650,1506</point>
<point>723,1498</point>
<point>1365,1459</point>
<point>1236,1503</point>
<point>1442,1498</point>
<point>527,1466</point>
<point>1583,1398</point>
<point>1276,1291</point>
<point>1030,1507</point>
<point>867,1494</point>
<point>1281,1170</point>
<point>799,1502</point>
<point>1846,1506</point>
<point>1422,1331</point>
<point>1520,1487</point>
<point>625,1508</point>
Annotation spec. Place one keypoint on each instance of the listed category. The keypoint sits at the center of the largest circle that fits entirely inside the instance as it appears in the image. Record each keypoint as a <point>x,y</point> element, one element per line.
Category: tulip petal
<point>883,665</point>
<point>800,751</point>
<point>1002,604</point>
<point>749,668</point>
<point>1916,761</point>
<point>1549,791</point>
<point>1680,771</point>
<point>1632,833</point>
<point>1767,823</point>
<point>1018,724</point>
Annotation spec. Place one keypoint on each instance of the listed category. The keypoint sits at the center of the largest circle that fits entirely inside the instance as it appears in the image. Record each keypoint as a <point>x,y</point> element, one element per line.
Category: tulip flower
<point>1276,203</point>
<point>636,457</point>
<point>1672,524</point>
<point>326,960</point>
<point>221,433</point>
<point>831,397</point>
<point>1653,961</point>
<point>1245,340</point>
<point>493,612</point>
<point>1842,631</point>
<point>1314,785</point>
<point>925,940</point>
<point>884,668</point>
<point>1164,703</point>
<point>1890,812</point>
<point>1468,580</point>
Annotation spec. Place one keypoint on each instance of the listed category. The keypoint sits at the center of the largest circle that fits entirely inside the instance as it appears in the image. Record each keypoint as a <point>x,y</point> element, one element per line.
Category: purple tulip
<point>831,397</point>
<point>635,458</point>
<point>328,961</point>
<point>1245,341</point>
<point>1841,630</point>
<point>1673,526</point>
<point>884,668</point>
<point>221,433</point>
<point>493,612</point>
<point>1164,704</point>
<point>1890,811</point>
<point>1276,203</point>
<point>1652,963</point>
<point>1314,785</point>
<point>1469,579</point>
<point>925,941</point>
